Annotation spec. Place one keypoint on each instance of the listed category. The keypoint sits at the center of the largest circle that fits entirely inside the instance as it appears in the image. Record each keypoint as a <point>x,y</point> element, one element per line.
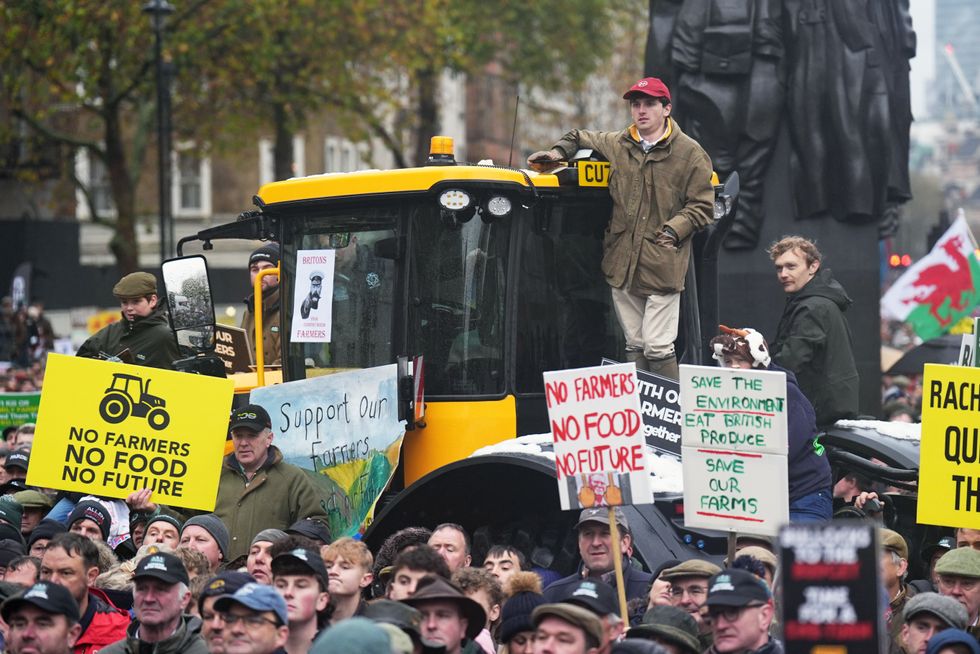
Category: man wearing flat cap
<point>894,566</point>
<point>449,617</point>
<point>262,258</point>
<point>595,548</point>
<point>144,329</point>
<point>959,577</point>
<point>689,591</point>
<point>741,609</point>
<point>668,626</point>
<point>566,629</point>
<point>661,192</point>
<point>41,620</point>
<point>925,615</point>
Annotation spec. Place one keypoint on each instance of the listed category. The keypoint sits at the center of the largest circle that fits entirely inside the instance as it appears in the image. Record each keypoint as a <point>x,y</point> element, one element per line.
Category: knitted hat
<point>268,252</point>
<point>268,536</point>
<point>745,343</point>
<point>165,517</point>
<point>46,529</point>
<point>94,511</point>
<point>212,524</point>
<point>525,596</point>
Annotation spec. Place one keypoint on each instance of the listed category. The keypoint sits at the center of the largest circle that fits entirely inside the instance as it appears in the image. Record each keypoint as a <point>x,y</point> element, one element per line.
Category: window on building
<point>191,183</point>
<point>92,173</point>
<point>267,160</point>
<point>341,156</point>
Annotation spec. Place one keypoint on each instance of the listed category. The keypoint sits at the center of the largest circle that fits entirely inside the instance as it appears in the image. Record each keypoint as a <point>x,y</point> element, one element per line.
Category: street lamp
<point>158,10</point>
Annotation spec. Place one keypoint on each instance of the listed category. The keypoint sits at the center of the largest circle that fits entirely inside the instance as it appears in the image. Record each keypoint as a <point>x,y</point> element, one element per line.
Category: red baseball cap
<point>651,86</point>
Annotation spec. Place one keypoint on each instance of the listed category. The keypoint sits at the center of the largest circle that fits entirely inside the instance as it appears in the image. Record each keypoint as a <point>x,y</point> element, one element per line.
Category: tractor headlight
<point>723,204</point>
<point>455,199</point>
<point>499,206</point>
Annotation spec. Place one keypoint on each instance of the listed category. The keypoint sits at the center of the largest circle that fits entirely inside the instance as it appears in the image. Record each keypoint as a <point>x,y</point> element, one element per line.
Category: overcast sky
<point>924,63</point>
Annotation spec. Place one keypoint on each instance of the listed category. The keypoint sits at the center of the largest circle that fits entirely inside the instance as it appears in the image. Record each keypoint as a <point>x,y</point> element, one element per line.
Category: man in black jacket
<point>144,329</point>
<point>813,339</point>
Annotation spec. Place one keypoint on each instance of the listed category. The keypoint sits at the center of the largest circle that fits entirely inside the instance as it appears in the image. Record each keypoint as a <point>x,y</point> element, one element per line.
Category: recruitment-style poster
<point>949,452</point>
<point>313,296</point>
<point>110,429</point>
<point>831,592</point>
<point>344,430</point>
<point>600,452</point>
<point>734,439</point>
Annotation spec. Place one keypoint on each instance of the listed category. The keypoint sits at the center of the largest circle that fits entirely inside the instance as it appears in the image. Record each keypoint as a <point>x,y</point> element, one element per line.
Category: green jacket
<point>278,495</point>
<point>271,349</point>
<point>186,640</point>
<point>814,341</point>
<point>150,341</point>
<point>669,185</point>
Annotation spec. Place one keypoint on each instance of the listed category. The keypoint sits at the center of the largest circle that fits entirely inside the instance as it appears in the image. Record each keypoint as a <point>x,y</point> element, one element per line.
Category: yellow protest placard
<point>111,428</point>
<point>949,461</point>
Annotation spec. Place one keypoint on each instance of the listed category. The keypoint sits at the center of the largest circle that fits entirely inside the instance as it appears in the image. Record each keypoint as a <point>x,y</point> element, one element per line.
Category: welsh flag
<point>941,288</point>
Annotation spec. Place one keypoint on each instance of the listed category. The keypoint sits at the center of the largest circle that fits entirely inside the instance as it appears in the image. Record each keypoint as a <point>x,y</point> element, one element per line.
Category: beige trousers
<point>649,322</point>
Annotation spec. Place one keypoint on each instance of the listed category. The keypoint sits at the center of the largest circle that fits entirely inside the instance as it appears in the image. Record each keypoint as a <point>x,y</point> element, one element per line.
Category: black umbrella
<point>945,349</point>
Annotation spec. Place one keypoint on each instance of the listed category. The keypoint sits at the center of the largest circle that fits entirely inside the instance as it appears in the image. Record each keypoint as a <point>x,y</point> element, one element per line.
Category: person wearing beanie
<point>259,561</point>
<point>810,480</point>
<point>163,528</point>
<point>90,519</point>
<point>144,329</point>
<point>953,641</point>
<point>516,630</point>
<point>208,535</point>
<point>42,535</point>
<point>262,258</point>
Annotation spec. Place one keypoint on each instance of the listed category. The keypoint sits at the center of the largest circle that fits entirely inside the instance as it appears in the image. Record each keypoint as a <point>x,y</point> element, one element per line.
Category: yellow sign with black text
<point>110,429</point>
<point>949,454</point>
<point>593,173</point>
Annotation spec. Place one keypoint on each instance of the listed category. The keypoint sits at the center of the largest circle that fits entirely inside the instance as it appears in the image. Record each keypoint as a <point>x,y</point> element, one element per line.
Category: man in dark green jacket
<point>660,183</point>
<point>144,329</point>
<point>813,338</point>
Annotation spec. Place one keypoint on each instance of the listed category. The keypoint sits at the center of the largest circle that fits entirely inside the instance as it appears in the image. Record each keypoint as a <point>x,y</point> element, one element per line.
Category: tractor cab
<point>491,274</point>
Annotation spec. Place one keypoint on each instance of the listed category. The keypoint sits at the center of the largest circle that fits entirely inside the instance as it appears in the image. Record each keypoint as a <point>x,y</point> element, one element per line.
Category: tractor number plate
<point>593,173</point>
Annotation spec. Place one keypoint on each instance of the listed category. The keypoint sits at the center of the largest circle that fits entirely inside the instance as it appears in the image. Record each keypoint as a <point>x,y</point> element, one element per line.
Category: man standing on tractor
<point>143,331</point>
<point>660,183</point>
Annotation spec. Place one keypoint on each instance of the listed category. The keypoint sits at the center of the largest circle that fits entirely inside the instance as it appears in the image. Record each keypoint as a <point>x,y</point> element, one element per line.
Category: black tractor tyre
<point>158,419</point>
<point>115,407</point>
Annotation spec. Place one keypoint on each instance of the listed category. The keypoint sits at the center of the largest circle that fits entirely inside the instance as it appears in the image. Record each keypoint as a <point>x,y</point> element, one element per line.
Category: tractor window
<point>361,290</point>
<point>564,311</point>
<point>456,317</point>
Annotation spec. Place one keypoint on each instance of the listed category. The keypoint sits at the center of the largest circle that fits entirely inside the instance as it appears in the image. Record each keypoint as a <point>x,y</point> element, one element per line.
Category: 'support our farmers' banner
<point>600,452</point>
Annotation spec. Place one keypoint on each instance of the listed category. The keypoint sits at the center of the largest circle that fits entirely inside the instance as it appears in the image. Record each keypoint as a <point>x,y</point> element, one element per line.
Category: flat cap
<point>575,615</point>
<point>893,542</point>
<point>32,499</point>
<point>760,554</point>
<point>961,562</point>
<point>135,284</point>
<point>945,608</point>
<point>691,568</point>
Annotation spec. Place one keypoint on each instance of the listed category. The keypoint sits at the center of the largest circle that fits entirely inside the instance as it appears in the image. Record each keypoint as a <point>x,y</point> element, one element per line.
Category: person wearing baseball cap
<point>144,330</point>
<point>17,463</point>
<point>264,257</point>
<point>931,554</point>
<point>925,615</point>
<point>256,619</point>
<point>595,549</point>
<point>43,619</point>
<point>213,628</point>
<point>600,598</point>
<point>741,609</point>
<point>566,628</point>
<point>403,617</point>
<point>301,578</point>
<point>648,242</point>
<point>159,594</point>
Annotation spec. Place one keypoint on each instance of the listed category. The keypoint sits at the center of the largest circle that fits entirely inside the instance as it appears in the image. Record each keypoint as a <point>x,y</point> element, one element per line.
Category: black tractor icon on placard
<point>130,394</point>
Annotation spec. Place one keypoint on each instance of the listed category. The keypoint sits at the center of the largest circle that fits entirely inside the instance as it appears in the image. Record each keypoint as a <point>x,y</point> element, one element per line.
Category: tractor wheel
<point>115,408</point>
<point>158,419</point>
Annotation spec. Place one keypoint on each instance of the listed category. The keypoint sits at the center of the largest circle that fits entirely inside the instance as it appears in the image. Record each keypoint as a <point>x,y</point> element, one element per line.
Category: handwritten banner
<point>18,408</point>
<point>831,589</point>
<point>660,409</point>
<point>344,430</point>
<point>949,454</point>
<point>734,447</point>
<point>109,429</point>
<point>600,453</point>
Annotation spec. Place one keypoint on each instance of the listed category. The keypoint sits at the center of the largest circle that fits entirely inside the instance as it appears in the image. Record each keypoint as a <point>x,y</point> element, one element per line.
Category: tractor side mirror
<point>189,300</point>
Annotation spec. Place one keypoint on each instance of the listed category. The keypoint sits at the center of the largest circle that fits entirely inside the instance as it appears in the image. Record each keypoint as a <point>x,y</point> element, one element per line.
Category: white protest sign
<point>313,296</point>
<point>600,451</point>
<point>734,447</point>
